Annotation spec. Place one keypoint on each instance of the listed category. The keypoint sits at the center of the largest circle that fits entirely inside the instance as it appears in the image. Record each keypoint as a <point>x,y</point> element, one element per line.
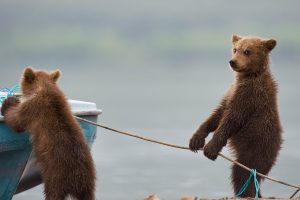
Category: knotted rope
<point>7,92</point>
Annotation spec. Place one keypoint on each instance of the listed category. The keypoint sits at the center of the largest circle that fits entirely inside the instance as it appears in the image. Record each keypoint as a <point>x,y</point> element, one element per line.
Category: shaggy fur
<point>247,116</point>
<point>62,152</point>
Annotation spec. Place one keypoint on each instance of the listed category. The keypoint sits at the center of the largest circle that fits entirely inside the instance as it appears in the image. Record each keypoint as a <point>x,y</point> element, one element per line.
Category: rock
<point>188,198</point>
<point>152,197</point>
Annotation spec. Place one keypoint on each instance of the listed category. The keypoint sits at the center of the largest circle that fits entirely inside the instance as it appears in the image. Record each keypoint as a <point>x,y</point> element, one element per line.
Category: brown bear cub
<point>62,152</point>
<point>247,115</point>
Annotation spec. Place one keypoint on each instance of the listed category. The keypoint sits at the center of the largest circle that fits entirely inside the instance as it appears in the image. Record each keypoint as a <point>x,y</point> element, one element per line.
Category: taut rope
<point>186,148</point>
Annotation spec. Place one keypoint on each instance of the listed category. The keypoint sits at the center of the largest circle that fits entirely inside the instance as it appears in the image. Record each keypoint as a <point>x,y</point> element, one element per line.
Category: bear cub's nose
<point>232,63</point>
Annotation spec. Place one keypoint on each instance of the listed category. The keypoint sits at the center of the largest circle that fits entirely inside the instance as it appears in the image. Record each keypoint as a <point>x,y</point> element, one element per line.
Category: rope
<point>256,184</point>
<point>294,193</point>
<point>186,148</point>
<point>8,92</point>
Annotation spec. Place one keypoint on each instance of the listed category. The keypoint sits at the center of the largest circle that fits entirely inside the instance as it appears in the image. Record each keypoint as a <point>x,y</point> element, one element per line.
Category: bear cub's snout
<point>232,63</point>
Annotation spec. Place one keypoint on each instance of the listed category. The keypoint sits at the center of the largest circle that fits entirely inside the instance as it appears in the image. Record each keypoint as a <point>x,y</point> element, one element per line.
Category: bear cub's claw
<point>8,103</point>
<point>196,143</point>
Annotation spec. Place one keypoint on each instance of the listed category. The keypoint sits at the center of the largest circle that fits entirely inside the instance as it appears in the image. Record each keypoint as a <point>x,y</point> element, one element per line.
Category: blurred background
<point>157,68</point>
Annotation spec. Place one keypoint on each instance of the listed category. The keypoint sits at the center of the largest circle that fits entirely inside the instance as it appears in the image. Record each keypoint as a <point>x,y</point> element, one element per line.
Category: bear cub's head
<point>250,54</point>
<point>34,80</point>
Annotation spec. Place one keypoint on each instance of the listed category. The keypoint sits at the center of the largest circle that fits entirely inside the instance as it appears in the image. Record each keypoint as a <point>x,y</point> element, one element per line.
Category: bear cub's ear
<point>235,38</point>
<point>55,75</point>
<point>270,44</point>
<point>29,75</point>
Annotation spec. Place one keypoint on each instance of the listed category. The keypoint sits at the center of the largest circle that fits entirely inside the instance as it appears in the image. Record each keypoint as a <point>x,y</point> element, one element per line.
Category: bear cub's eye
<point>234,50</point>
<point>247,52</point>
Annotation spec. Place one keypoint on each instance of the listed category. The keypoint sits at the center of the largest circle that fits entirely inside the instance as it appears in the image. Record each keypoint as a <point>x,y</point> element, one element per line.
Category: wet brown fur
<point>58,142</point>
<point>247,116</point>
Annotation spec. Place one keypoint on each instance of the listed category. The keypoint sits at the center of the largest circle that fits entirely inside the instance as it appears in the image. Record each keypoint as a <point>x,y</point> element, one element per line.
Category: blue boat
<point>18,169</point>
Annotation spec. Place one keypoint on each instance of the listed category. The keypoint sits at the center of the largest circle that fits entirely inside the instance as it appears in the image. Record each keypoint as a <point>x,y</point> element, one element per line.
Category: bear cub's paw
<point>211,150</point>
<point>196,142</point>
<point>9,103</point>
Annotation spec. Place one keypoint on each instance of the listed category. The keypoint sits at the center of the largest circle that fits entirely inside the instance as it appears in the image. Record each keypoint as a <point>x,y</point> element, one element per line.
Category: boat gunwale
<point>76,113</point>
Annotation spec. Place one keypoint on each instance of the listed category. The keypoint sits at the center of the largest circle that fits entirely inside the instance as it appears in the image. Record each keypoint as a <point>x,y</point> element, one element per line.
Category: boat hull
<point>18,169</point>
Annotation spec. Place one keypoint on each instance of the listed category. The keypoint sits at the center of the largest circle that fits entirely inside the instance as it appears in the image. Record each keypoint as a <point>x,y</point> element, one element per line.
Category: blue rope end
<point>256,184</point>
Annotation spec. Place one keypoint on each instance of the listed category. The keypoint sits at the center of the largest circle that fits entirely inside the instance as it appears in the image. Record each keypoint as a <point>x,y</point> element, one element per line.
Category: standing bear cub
<point>247,117</point>
<point>61,150</point>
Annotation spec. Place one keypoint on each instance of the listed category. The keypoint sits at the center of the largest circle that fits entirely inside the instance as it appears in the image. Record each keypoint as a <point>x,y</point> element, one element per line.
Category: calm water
<point>169,107</point>
<point>157,68</point>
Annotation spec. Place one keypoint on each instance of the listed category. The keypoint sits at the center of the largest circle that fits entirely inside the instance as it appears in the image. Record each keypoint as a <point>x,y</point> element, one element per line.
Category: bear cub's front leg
<point>9,110</point>
<point>198,139</point>
<point>214,146</point>
<point>8,104</point>
<point>212,122</point>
